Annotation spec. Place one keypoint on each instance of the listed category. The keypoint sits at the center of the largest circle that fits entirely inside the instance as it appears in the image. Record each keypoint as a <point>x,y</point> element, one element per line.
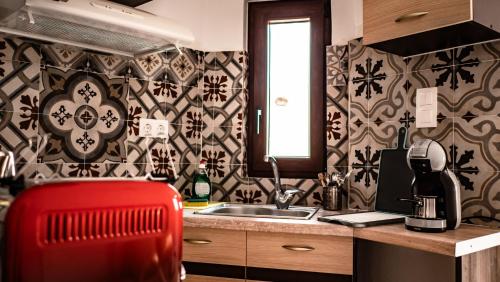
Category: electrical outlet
<point>146,127</point>
<point>153,128</point>
<point>162,129</point>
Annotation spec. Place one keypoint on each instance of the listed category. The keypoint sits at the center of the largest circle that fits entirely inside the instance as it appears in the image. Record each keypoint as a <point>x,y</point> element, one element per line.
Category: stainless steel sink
<point>267,211</point>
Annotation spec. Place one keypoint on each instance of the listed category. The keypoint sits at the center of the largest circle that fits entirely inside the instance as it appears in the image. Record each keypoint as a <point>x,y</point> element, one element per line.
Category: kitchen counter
<point>293,226</point>
<point>465,240</point>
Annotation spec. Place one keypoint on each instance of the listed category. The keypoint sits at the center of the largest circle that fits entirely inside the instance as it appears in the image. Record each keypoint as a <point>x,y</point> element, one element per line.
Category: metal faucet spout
<point>283,197</point>
<point>274,165</point>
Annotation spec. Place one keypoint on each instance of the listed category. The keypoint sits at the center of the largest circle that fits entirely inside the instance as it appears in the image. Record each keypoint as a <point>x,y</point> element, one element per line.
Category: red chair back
<point>94,231</point>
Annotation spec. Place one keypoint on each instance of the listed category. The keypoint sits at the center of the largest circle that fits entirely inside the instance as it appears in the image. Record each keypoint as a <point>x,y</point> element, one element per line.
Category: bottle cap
<point>203,164</point>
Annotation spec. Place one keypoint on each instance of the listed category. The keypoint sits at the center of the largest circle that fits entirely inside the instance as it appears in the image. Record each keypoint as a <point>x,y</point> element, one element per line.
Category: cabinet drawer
<point>214,246</point>
<point>380,17</point>
<point>328,254</point>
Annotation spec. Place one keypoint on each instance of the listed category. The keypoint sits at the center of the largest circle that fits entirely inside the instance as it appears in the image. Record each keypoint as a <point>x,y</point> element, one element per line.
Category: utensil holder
<point>332,198</point>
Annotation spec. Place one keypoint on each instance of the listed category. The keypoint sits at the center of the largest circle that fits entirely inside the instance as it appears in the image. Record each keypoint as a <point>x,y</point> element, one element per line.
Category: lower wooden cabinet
<point>312,253</point>
<point>481,266</point>
<point>210,253</point>
<point>412,265</point>
<point>214,246</point>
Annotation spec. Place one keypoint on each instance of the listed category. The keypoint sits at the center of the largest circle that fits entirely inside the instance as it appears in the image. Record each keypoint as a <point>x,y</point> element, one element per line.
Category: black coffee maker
<point>435,189</point>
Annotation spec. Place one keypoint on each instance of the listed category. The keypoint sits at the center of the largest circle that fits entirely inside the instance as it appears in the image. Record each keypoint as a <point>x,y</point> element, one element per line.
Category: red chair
<point>94,231</point>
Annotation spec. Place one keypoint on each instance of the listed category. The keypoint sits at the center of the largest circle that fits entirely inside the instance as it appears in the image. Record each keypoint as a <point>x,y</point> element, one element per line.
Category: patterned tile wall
<point>90,104</point>
<point>382,90</point>
<point>225,113</point>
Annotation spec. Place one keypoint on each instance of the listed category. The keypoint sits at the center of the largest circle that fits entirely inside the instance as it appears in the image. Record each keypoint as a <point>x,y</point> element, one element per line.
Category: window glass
<point>288,91</point>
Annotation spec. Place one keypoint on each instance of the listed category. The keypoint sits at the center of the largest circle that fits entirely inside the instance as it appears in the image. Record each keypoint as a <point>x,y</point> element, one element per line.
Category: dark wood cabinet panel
<point>131,3</point>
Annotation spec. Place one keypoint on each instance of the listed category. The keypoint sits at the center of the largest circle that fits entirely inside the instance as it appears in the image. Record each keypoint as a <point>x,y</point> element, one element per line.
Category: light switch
<point>429,97</point>
<point>426,116</point>
<point>426,111</point>
<point>421,98</point>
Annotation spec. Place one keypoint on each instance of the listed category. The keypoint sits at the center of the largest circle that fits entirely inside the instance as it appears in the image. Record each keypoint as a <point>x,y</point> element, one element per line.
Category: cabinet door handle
<point>410,16</point>
<point>197,241</point>
<point>298,248</point>
<point>258,120</point>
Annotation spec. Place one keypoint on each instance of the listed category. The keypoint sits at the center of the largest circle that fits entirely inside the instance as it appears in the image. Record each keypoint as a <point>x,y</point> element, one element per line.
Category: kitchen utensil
<point>339,179</point>
<point>322,177</point>
<point>394,179</point>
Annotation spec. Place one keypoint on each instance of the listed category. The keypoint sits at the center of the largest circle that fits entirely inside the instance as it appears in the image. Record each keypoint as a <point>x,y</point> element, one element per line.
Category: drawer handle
<point>298,248</point>
<point>410,16</point>
<point>197,241</point>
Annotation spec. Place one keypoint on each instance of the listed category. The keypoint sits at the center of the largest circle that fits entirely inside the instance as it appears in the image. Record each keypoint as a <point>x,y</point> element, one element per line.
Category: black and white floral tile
<point>19,100</point>
<point>382,90</point>
<point>337,105</point>
<point>85,115</point>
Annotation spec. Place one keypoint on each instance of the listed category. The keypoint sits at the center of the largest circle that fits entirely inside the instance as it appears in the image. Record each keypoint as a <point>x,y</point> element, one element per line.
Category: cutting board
<point>395,178</point>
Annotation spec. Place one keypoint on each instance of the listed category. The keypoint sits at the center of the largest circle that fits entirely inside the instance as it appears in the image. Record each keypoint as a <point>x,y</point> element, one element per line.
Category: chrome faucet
<point>283,197</point>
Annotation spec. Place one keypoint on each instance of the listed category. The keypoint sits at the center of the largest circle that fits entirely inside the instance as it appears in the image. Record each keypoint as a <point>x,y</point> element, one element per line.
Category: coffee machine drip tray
<point>425,224</point>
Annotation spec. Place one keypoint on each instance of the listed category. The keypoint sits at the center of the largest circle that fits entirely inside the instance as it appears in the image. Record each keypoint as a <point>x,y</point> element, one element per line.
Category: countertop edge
<point>455,243</point>
<point>474,245</point>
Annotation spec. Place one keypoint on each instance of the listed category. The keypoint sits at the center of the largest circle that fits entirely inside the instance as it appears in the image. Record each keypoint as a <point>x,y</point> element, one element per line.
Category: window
<point>289,103</point>
<point>286,44</point>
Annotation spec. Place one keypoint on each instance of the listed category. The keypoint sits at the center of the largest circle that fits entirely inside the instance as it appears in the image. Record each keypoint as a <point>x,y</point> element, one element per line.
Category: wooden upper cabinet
<point>410,27</point>
<point>388,19</point>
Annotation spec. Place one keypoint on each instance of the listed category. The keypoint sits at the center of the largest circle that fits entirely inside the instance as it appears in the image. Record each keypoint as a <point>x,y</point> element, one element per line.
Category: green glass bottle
<point>202,188</point>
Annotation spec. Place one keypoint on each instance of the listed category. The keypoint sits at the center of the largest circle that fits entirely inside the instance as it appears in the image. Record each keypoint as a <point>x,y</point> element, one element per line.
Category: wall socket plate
<point>153,128</point>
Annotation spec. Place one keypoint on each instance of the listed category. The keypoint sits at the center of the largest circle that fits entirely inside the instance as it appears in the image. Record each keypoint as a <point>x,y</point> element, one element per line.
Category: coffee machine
<point>435,189</point>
